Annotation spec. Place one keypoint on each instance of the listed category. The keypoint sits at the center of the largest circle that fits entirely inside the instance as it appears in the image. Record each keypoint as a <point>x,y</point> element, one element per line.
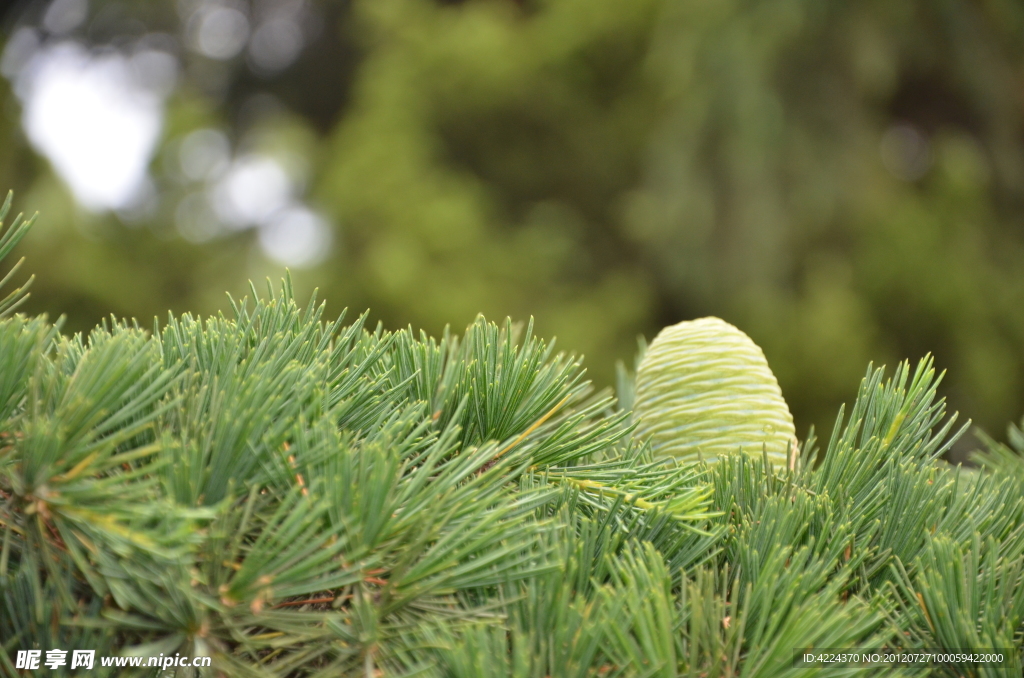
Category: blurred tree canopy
<point>843,181</point>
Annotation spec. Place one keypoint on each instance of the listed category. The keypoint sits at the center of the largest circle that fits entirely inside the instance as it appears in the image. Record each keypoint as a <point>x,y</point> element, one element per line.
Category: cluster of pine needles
<point>295,497</point>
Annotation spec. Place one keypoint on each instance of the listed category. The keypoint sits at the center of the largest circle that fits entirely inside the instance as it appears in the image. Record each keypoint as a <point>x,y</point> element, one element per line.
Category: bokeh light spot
<point>195,218</point>
<point>254,188</point>
<point>64,16</point>
<point>204,154</point>
<point>296,237</point>
<point>906,152</point>
<point>219,32</point>
<point>276,44</point>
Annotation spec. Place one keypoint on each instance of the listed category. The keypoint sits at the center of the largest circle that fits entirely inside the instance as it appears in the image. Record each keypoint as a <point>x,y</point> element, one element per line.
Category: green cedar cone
<point>704,388</point>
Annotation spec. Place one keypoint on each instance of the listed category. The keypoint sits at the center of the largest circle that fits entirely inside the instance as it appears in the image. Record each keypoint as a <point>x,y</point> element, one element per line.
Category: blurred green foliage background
<point>842,181</point>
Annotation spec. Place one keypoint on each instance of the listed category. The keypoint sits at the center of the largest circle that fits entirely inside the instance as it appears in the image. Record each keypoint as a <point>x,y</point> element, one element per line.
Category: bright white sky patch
<point>94,120</point>
<point>97,114</point>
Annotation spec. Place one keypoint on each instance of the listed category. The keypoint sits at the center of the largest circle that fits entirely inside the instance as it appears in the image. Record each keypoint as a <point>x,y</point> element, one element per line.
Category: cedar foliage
<point>300,497</point>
